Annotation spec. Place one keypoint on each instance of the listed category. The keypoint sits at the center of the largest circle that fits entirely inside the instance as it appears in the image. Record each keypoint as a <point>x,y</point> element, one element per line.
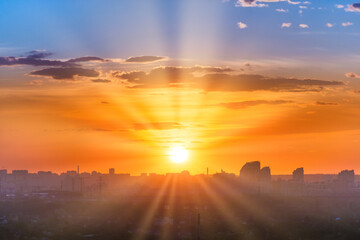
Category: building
<point>111,171</point>
<point>250,171</point>
<point>298,175</point>
<point>265,174</point>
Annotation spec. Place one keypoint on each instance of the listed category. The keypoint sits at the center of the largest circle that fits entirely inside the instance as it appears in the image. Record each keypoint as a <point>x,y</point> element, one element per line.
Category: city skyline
<point>163,86</point>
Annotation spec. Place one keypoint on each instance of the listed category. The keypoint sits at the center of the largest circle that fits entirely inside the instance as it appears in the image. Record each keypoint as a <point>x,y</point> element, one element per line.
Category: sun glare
<point>178,154</point>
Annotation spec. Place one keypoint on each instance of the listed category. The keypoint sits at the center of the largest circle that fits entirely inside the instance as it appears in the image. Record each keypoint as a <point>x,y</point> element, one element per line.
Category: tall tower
<point>78,169</point>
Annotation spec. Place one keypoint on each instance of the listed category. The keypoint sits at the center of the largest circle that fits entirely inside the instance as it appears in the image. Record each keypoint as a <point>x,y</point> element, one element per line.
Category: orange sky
<point>118,84</point>
<point>55,125</point>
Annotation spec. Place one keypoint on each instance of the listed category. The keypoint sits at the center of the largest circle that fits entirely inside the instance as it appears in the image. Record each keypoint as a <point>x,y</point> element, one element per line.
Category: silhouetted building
<point>250,171</point>
<point>298,175</point>
<point>20,180</point>
<point>265,174</point>
<point>346,176</point>
<point>111,170</point>
<point>3,172</point>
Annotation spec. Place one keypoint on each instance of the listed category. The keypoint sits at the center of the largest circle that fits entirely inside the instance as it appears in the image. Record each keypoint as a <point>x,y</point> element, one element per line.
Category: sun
<point>178,154</point>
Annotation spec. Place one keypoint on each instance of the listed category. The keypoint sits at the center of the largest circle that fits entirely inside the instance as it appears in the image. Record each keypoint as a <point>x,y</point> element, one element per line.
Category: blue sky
<point>177,29</point>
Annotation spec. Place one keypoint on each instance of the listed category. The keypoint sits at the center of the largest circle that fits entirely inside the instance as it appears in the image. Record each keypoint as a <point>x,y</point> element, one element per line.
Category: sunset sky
<point>120,83</point>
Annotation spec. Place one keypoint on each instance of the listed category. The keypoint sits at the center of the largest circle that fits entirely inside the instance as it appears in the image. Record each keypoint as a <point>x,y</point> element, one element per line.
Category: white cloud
<point>303,25</point>
<point>285,25</point>
<point>329,25</point>
<point>339,6</point>
<point>346,24</point>
<point>260,3</point>
<point>282,10</point>
<point>241,25</point>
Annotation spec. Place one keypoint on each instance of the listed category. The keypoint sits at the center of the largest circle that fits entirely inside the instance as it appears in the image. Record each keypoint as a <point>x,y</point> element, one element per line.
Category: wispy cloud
<point>246,104</point>
<point>261,3</point>
<point>144,59</point>
<point>285,25</point>
<point>346,24</point>
<point>303,25</point>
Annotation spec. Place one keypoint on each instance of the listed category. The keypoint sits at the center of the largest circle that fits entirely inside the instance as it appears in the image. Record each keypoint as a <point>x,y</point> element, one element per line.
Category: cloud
<point>99,80</point>
<point>241,25</point>
<point>65,73</point>
<point>144,59</point>
<point>164,77</point>
<point>326,103</point>
<point>285,25</point>
<point>38,58</point>
<point>353,8</point>
<point>339,6</point>
<point>245,104</point>
<point>210,69</point>
<point>33,60</point>
<point>282,10</point>
<point>35,54</point>
<point>88,59</point>
<point>253,82</point>
<point>352,75</point>
<point>157,126</point>
<point>346,24</point>
<point>162,74</point>
<point>260,3</point>
<point>329,25</point>
<point>303,25</point>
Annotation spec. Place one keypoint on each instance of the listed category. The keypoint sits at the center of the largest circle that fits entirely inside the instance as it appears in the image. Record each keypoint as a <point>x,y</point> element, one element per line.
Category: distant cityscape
<point>252,178</point>
<point>250,205</point>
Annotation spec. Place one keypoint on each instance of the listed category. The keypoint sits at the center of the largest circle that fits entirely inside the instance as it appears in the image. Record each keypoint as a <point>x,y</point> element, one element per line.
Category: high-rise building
<point>111,171</point>
<point>298,175</point>
<point>250,171</point>
<point>346,176</point>
<point>265,174</point>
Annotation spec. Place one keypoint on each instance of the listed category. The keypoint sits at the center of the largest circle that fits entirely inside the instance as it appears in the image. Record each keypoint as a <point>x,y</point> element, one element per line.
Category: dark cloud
<point>356,5</point>
<point>132,77</point>
<point>34,60</point>
<point>37,58</point>
<point>178,76</point>
<point>65,73</point>
<point>326,103</point>
<point>157,126</point>
<point>253,82</point>
<point>144,59</point>
<point>38,54</point>
<point>245,104</point>
<point>88,59</point>
<point>99,80</point>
